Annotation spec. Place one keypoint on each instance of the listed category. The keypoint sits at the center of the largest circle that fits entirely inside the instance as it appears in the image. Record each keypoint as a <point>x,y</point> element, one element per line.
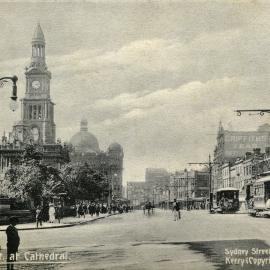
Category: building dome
<point>115,147</point>
<point>84,141</point>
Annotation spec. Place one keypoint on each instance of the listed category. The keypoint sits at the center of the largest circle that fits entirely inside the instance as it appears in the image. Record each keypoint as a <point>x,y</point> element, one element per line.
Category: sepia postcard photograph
<point>135,135</point>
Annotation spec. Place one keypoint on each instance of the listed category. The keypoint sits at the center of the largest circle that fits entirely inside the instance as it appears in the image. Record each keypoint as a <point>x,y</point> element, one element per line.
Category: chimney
<point>257,151</point>
<point>249,154</point>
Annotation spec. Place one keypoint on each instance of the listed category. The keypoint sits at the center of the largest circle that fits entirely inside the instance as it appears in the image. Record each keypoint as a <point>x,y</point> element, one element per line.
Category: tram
<point>261,198</point>
<point>227,200</point>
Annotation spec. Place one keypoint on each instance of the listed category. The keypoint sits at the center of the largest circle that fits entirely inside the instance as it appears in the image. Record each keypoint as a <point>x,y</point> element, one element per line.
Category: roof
<point>84,141</point>
<point>228,189</point>
<point>115,147</point>
<point>38,34</point>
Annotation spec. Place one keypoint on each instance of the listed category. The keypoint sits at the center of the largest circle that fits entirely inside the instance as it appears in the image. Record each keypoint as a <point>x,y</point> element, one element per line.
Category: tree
<point>82,182</point>
<point>30,180</point>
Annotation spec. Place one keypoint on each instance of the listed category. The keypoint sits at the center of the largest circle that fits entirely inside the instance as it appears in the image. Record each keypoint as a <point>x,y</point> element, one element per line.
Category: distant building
<point>157,177</point>
<point>85,149</point>
<point>124,191</point>
<point>136,193</point>
<point>190,187</point>
<point>156,180</point>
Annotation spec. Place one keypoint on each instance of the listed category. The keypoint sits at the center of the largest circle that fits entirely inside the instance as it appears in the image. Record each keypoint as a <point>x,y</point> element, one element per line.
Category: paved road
<point>137,242</point>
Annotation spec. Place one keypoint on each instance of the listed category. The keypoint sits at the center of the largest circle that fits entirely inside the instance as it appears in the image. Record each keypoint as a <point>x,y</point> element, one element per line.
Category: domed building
<point>84,141</point>
<point>85,149</point>
<point>115,147</point>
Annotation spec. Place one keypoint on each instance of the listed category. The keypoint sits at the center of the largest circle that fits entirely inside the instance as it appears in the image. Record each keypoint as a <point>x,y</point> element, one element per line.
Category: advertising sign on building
<point>238,143</point>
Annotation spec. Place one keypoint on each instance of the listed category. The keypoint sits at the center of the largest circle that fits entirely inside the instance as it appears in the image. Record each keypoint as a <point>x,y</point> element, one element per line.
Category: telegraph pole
<point>187,195</point>
<point>210,165</point>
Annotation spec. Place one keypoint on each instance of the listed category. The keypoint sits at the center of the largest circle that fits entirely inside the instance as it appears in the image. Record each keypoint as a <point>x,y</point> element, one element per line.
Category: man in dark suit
<point>13,242</point>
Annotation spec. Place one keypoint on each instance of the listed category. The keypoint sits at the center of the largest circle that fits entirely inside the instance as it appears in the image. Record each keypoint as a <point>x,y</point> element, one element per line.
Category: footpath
<point>65,222</point>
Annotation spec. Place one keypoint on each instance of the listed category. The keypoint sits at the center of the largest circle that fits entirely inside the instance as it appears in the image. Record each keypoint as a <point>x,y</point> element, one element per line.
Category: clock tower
<point>37,108</point>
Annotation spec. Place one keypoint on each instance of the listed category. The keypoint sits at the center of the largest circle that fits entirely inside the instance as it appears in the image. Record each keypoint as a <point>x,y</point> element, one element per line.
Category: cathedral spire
<point>220,128</point>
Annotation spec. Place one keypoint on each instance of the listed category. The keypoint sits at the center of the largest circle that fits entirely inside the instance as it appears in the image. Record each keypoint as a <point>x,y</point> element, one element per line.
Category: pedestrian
<point>77,209</point>
<point>81,211</point>
<point>103,209</point>
<point>59,212</point>
<point>97,210</point>
<point>152,208</point>
<point>51,213</point>
<point>84,209</point>
<point>176,210</point>
<point>144,207</point>
<point>148,207</point>
<point>92,209</point>
<point>39,216</point>
<point>114,208</point>
<point>13,242</point>
<point>88,207</point>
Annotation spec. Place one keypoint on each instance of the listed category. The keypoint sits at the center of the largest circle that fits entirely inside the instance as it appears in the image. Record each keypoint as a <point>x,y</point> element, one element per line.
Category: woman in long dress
<point>51,213</point>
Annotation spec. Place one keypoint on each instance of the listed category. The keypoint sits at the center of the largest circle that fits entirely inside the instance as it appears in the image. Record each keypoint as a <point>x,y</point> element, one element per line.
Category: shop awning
<point>199,199</point>
<point>227,189</point>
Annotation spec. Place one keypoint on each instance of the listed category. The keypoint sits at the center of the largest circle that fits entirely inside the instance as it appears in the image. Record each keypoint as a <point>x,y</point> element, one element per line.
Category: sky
<point>154,76</point>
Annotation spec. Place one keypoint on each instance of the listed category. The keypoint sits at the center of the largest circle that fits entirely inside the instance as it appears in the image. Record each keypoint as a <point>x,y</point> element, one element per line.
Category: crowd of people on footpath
<point>96,208</point>
<point>50,213</point>
<point>54,212</point>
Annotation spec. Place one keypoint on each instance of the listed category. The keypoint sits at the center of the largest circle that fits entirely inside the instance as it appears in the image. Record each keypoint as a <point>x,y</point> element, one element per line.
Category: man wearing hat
<point>13,242</point>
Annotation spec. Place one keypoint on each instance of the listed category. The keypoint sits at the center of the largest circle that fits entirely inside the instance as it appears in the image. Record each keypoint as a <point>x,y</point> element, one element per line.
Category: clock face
<point>35,133</point>
<point>35,84</point>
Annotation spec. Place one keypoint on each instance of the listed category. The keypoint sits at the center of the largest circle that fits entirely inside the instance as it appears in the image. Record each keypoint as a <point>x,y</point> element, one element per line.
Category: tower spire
<point>38,48</point>
<point>38,35</point>
<point>84,125</point>
<point>220,128</point>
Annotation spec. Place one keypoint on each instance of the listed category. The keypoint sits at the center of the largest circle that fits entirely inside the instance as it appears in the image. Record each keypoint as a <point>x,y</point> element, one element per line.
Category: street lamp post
<point>187,197</point>
<point>111,188</point>
<point>169,198</point>
<point>13,104</point>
